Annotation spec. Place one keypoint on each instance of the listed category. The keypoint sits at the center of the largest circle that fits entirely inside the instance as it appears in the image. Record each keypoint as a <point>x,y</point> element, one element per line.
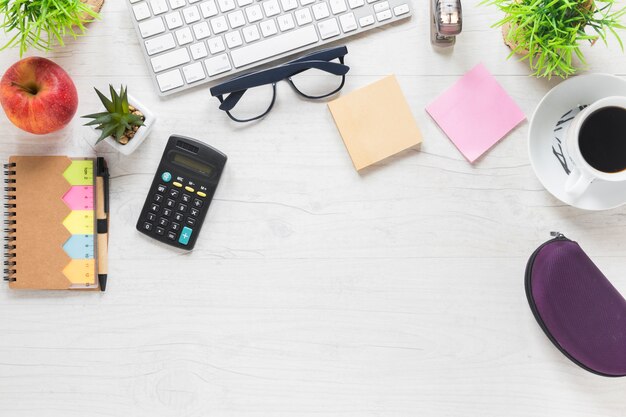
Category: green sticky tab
<point>79,173</point>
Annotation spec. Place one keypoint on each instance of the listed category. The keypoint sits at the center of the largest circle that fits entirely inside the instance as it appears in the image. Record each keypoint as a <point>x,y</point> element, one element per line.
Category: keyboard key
<point>186,198</point>
<point>160,231</point>
<point>303,16</point>
<point>198,51</point>
<point>208,9</point>
<point>268,28</point>
<point>158,6</point>
<point>188,188</point>
<point>271,8</point>
<point>197,203</point>
<point>134,1</point>
<point>348,22</point>
<point>167,212</point>
<point>236,19</point>
<point>384,15</point>
<point>175,227</point>
<point>173,193</point>
<point>338,6</point>
<point>306,2</point>
<point>185,235</point>
<point>190,221</point>
<point>182,208</point>
<point>179,217</point>
<point>194,212</point>
<point>141,11</point>
<point>154,208</point>
<point>366,20</point>
<point>173,20</point>
<point>219,24</point>
<point>151,27</point>
<point>161,188</point>
<point>151,217</point>
<point>171,235</point>
<point>183,36</point>
<point>160,44</point>
<point>163,222</point>
<point>242,3</point>
<point>289,4</point>
<point>274,46</point>
<point>355,3</point>
<point>194,72</point>
<point>147,226</point>
<point>285,22</point>
<point>175,4</point>
<point>216,45</point>
<point>191,14</point>
<point>170,203</point>
<point>170,80</point>
<point>233,39</point>
<point>380,6</point>
<point>218,64</point>
<point>251,33</point>
<point>401,9</point>
<point>158,198</point>
<point>226,5</point>
<point>254,13</point>
<point>328,28</point>
<point>201,30</point>
<point>320,11</point>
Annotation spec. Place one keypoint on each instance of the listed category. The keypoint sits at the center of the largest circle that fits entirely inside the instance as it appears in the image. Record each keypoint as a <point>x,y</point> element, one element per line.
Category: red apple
<point>38,96</point>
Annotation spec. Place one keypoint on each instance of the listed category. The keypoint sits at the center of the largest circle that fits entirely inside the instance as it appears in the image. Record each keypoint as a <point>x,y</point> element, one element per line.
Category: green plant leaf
<point>108,104</point>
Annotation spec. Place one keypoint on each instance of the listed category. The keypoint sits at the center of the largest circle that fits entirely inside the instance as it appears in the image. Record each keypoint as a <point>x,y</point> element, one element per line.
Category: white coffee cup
<point>582,174</point>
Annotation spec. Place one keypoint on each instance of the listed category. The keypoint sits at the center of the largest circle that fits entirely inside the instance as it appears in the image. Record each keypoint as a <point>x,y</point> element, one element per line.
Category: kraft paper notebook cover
<point>52,234</point>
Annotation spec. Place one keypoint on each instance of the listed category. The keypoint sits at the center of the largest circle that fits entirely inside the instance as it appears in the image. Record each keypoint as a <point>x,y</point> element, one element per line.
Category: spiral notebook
<point>57,223</point>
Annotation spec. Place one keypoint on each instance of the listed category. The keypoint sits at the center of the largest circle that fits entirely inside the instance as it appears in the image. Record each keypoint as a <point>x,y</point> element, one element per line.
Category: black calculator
<point>181,192</point>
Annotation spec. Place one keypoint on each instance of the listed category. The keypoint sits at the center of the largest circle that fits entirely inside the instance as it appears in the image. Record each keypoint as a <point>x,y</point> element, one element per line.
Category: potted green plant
<point>123,125</point>
<point>41,24</point>
<point>549,33</point>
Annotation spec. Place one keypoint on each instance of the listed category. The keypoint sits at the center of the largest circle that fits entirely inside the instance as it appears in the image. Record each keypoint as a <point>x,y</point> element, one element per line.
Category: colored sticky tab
<point>79,247</point>
<point>79,173</point>
<point>79,222</point>
<point>81,271</point>
<point>79,197</point>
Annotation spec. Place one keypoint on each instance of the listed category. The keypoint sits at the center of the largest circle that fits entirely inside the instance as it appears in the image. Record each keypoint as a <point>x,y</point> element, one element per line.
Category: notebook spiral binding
<point>10,223</point>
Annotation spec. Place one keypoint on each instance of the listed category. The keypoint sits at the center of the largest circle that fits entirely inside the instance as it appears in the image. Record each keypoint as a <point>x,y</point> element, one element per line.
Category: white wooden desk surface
<point>313,290</point>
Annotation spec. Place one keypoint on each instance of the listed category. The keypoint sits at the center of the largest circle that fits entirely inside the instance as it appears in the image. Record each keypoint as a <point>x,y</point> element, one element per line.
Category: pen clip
<point>103,171</point>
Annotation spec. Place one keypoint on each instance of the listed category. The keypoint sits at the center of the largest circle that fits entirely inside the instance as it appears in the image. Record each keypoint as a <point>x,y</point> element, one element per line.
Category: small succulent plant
<point>120,119</point>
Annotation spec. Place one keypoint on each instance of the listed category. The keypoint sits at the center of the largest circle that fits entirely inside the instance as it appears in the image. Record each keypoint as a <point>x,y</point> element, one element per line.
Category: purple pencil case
<point>577,307</point>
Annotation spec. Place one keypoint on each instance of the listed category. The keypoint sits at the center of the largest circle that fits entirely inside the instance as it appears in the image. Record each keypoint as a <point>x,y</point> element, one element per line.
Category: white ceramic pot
<point>140,135</point>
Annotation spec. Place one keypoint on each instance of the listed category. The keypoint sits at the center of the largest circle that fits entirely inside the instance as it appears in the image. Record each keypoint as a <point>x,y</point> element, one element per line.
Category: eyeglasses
<point>251,96</point>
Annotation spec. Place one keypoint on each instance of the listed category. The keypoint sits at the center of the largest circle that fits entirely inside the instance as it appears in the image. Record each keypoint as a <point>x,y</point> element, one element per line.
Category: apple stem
<point>30,90</point>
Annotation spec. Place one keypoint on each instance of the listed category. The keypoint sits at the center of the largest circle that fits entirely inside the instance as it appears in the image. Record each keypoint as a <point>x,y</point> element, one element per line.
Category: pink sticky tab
<point>475,113</point>
<point>79,197</point>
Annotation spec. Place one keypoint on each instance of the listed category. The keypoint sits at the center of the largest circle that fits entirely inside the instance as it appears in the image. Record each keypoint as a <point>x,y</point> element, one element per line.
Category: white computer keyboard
<point>191,42</point>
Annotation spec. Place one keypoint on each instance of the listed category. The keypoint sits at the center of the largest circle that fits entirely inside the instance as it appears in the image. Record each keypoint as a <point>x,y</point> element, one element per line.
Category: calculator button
<point>185,235</point>
<point>178,217</point>
<point>195,212</point>
<point>163,222</point>
<point>155,208</point>
<point>177,184</point>
<point>171,235</point>
<point>175,227</point>
<point>158,198</point>
<point>147,226</point>
<point>170,203</point>
<point>188,188</point>
<point>201,194</point>
<point>173,193</point>
<point>182,207</point>
<point>167,212</point>
<point>190,221</point>
<point>151,217</point>
<point>166,176</point>
<point>161,188</point>
<point>197,203</point>
<point>160,231</point>
<point>186,198</point>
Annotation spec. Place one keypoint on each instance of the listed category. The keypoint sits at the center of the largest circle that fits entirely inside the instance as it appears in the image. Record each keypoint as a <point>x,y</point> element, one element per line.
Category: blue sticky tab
<point>79,247</point>
<point>185,235</point>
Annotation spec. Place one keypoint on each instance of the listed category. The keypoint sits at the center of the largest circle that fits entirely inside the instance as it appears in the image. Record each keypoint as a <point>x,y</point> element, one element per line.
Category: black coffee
<point>602,139</point>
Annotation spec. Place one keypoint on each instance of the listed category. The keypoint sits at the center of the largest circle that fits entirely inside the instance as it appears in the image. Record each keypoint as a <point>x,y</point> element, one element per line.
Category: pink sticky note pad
<point>475,113</point>
<point>79,197</point>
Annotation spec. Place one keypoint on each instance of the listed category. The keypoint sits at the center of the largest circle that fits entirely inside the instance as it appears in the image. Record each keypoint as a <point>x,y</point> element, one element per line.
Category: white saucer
<point>547,127</point>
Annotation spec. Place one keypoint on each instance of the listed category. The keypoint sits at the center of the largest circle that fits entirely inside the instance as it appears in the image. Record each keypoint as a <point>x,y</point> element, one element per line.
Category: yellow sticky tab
<point>81,271</point>
<point>79,173</point>
<point>79,222</point>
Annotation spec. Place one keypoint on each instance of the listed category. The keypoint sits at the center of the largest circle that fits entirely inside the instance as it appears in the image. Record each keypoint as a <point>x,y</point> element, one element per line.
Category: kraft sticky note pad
<point>375,122</point>
<point>475,113</point>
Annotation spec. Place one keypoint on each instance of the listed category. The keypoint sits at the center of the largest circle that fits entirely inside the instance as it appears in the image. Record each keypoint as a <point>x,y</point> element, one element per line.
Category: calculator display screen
<point>192,164</point>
